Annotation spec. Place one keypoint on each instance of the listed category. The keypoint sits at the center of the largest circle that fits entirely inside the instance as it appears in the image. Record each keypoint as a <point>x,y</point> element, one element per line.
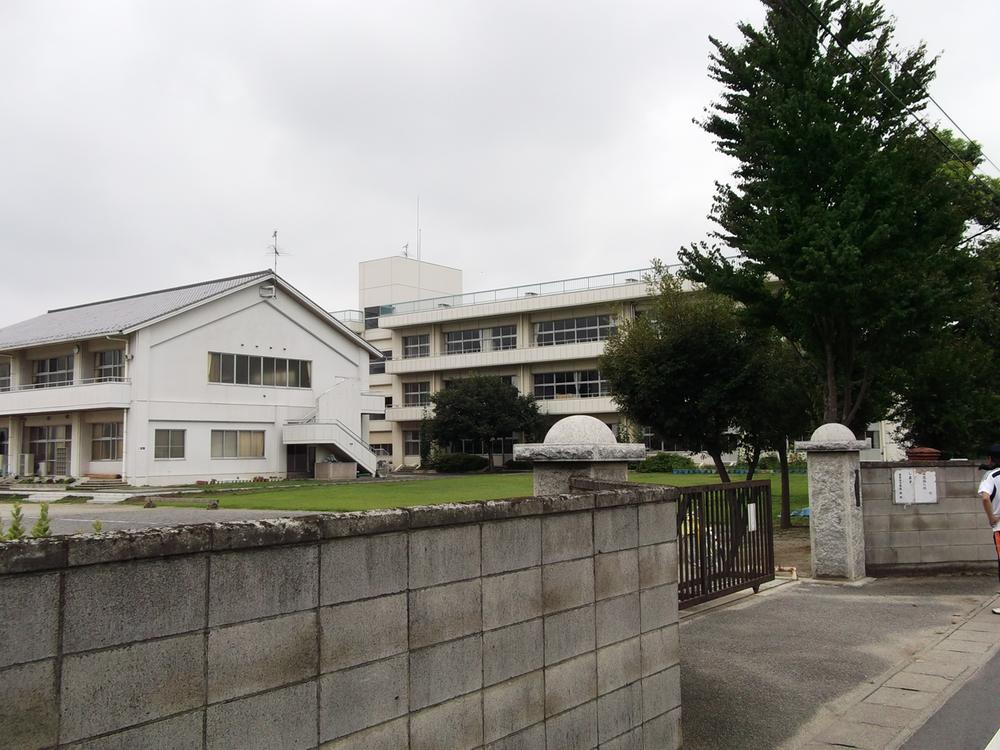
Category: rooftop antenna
<point>273,250</point>
<point>406,249</point>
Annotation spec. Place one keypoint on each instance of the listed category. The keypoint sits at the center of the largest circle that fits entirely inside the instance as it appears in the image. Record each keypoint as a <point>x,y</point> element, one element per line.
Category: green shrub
<point>451,463</point>
<point>98,527</point>
<point>41,528</point>
<point>665,462</point>
<point>16,530</point>
<point>517,465</point>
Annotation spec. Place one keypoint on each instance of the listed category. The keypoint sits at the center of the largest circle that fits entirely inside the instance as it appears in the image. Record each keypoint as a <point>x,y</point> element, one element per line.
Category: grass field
<point>397,494</point>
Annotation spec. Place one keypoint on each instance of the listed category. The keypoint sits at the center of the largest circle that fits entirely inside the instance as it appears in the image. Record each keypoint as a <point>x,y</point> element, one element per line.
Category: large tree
<point>846,218</point>
<point>684,367</point>
<point>483,408</point>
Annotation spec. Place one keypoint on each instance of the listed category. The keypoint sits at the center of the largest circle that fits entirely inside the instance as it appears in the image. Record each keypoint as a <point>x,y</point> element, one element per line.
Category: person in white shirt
<point>989,493</point>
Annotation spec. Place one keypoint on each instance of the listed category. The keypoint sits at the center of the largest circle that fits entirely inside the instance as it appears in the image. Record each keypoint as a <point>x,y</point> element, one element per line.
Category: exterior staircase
<point>101,483</point>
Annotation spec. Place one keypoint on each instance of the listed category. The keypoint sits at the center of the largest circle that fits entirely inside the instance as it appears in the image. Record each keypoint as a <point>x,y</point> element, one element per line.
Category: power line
<point>909,111</point>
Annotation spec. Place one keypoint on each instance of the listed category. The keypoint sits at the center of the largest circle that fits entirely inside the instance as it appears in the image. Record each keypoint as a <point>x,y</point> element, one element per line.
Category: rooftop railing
<point>527,291</point>
<point>60,384</point>
<point>349,316</point>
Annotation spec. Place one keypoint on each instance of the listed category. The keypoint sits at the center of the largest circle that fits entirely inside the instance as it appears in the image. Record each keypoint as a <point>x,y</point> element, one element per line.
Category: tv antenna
<point>406,249</point>
<point>273,251</point>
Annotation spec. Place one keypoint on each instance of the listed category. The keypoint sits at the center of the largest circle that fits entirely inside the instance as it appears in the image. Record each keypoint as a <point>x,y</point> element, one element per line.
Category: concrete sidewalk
<point>817,665</point>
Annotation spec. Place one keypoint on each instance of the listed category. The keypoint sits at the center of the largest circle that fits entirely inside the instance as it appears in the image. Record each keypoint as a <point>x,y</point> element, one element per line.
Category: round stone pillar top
<point>580,438</point>
<point>832,438</point>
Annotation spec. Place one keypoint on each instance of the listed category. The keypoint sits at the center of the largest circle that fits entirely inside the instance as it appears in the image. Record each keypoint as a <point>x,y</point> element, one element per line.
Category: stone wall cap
<point>579,452</point>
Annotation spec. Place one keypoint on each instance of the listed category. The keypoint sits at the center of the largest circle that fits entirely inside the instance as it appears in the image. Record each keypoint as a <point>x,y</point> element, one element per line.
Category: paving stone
<point>569,634</point>
<point>938,667</point>
<point>883,716</point>
<point>903,698</point>
<point>510,545</point>
<point>566,537</point>
<point>255,656</point>
<point>862,736</point>
<point>965,647</point>
<point>357,698</point>
<point>977,636</point>
<point>29,619</point>
<point>574,730</point>
<point>444,555</point>
<point>513,705</point>
<point>512,597</point>
<point>456,725</point>
<point>442,613</point>
<point>363,567</point>
<point>359,632</point>
<point>512,651</point>
<point>915,681</point>
<point>284,718</point>
<point>441,672</point>
<point>389,736</point>
<point>570,683</point>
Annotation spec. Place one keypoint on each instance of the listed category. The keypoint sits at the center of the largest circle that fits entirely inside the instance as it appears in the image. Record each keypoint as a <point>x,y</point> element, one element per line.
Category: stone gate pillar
<point>578,446</point>
<point>836,522</point>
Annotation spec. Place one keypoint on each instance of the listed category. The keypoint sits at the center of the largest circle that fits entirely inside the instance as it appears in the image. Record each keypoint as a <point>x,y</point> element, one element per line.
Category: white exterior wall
<point>397,279</point>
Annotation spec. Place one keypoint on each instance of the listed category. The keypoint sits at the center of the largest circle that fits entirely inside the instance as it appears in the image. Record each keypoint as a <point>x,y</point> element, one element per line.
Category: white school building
<point>228,379</point>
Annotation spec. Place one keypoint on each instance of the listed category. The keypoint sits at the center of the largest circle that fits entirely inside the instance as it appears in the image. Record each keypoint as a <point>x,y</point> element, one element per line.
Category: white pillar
<point>836,521</point>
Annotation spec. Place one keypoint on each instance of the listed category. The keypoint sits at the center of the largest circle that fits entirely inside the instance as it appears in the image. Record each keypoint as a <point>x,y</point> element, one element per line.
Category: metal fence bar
<point>720,548</point>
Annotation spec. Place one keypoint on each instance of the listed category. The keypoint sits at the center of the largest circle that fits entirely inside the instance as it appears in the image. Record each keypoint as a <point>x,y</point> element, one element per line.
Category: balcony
<point>372,403</point>
<point>499,358</point>
<point>81,395</point>
<point>565,406</point>
<point>408,413</point>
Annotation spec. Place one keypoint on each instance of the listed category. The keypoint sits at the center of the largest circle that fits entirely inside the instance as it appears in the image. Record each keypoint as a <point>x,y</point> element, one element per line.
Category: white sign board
<point>911,486</point>
<point>751,516</point>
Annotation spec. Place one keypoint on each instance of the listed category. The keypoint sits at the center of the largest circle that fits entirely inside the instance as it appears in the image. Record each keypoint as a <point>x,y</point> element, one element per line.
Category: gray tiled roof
<point>114,315</point>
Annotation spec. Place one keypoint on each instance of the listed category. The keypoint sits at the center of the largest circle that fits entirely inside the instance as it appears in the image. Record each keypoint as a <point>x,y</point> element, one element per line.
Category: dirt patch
<point>791,549</point>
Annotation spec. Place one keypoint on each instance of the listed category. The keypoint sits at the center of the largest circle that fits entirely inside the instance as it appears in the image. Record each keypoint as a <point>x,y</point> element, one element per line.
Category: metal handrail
<point>337,422</point>
<point>63,384</point>
<point>581,283</point>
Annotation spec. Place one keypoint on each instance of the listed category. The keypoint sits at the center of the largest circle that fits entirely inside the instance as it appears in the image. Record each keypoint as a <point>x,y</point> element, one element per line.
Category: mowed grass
<point>403,493</point>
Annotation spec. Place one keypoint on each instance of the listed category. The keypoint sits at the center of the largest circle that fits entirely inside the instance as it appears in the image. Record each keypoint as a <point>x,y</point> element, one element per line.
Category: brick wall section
<point>536,623</point>
<point>950,535</point>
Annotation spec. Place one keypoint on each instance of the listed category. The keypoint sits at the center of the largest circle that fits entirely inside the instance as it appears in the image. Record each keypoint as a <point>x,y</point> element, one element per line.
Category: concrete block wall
<point>546,622</point>
<point>950,535</point>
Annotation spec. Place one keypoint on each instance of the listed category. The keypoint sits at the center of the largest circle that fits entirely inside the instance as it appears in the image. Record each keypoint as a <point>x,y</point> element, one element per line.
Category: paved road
<point>763,672</point>
<point>76,518</point>
<point>969,720</point>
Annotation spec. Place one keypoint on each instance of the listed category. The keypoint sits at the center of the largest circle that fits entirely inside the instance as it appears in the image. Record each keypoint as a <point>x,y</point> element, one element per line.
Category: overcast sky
<point>151,144</point>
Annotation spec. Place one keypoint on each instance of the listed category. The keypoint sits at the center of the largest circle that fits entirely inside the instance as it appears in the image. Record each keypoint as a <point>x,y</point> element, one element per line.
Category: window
<point>580,384</point>
<point>106,441</point>
<point>417,394</point>
<point>463,342</point>
<point>109,365</point>
<point>382,449</point>
<point>4,375</point>
<point>50,444</point>
<point>875,438</point>
<point>53,371</point>
<point>411,442</point>
<point>481,340</point>
<point>371,317</point>
<point>249,369</point>
<point>377,366</point>
<point>168,444</point>
<point>237,444</point>
<point>574,330</point>
<point>417,346</point>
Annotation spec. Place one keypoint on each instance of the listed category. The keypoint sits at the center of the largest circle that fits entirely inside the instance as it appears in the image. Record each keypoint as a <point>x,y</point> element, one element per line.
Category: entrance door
<point>301,461</point>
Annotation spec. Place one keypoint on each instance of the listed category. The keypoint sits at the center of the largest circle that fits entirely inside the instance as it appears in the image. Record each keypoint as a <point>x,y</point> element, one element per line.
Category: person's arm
<point>988,507</point>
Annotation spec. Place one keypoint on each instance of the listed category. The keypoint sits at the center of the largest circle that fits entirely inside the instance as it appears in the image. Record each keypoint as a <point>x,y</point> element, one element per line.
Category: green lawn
<point>396,494</point>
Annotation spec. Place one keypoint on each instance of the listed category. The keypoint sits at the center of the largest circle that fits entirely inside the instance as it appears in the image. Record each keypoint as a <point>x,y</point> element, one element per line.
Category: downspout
<point>127,357</point>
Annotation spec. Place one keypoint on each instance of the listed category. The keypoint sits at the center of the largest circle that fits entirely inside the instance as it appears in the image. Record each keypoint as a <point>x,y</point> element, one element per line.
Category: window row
<point>493,339</point>
<point>244,369</point>
<point>577,384</point>
<point>574,330</point>
<point>106,441</point>
<point>225,444</point>
<point>52,371</point>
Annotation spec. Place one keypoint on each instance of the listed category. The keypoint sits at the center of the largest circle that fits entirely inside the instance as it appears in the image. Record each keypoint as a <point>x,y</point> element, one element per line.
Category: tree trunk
<point>785,520</point>
<point>719,466</point>
<point>752,461</point>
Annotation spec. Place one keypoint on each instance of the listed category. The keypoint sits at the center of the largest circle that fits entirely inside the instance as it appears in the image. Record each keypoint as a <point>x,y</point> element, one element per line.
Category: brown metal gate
<point>725,540</point>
